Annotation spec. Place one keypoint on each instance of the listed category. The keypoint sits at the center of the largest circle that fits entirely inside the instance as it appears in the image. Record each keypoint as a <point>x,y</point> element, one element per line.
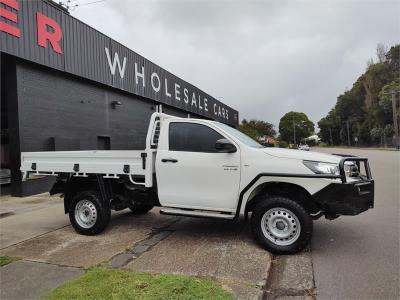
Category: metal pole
<point>348,133</point>
<point>294,132</point>
<point>395,124</point>
<point>384,139</point>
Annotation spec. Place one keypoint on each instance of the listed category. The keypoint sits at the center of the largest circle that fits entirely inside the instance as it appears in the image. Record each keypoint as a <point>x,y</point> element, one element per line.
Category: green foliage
<point>101,283</point>
<point>366,106</point>
<point>5,260</point>
<point>393,58</point>
<point>303,126</point>
<point>376,134</point>
<point>283,144</point>
<point>256,128</point>
<point>385,100</point>
<point>251,132</point>
<point>330,129</point>
<point>388,130</point>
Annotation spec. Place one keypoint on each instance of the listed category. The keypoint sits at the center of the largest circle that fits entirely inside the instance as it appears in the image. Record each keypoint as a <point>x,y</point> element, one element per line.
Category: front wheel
<point>89,215</point>
<point>281,225</point>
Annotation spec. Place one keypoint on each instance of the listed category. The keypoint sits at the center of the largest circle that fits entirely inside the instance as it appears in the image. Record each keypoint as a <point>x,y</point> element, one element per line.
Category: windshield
<point>245,139</point>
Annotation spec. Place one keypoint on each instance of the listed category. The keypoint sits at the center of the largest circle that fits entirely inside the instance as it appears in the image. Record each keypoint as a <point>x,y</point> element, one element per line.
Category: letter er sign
<point>10,15</point>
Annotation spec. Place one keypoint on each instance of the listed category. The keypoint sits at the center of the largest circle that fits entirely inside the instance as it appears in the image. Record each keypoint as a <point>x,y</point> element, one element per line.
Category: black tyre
<point>281,225</point>
<point>89,215</point>
<point>140,209</point>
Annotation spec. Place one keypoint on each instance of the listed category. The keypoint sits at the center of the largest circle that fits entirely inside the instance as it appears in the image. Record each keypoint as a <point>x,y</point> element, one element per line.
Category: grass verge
<point>5,260</point>
<point>102,283</point>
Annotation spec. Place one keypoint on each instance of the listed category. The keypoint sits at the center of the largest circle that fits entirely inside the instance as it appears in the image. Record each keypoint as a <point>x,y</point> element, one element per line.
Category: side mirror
<point>225,146</point>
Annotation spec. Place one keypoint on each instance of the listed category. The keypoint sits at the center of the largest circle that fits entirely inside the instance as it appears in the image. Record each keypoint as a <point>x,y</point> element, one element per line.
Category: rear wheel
<point>88,214</point>
<point>140,209</point>
<point>281,225</point>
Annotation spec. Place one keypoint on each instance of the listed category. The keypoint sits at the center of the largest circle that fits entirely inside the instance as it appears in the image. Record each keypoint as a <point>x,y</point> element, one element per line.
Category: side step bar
<point>196,213</point>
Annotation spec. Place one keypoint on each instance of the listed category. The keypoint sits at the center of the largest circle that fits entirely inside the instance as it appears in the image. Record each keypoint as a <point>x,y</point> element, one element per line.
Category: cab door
<point>192,173</point>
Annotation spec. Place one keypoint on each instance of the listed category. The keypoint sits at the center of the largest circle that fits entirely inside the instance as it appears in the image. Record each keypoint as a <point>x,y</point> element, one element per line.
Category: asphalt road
<point>358,257</point>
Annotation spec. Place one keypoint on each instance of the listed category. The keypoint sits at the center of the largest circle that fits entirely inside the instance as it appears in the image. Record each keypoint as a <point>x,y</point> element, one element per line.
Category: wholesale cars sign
<point>43,33</point>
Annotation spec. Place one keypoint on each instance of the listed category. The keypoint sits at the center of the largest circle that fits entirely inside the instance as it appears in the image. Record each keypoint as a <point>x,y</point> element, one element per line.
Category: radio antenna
<point>72,5</point>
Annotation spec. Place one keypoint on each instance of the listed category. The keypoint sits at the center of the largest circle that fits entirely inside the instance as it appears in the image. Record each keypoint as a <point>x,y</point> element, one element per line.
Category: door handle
<point>172,160</point>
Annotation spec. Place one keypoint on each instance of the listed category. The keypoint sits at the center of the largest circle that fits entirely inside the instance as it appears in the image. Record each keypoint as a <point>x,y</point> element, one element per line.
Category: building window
<point>103,143</point>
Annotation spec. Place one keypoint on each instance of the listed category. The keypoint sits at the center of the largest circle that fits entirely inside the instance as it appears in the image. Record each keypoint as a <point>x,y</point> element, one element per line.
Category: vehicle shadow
<point>182,226</point>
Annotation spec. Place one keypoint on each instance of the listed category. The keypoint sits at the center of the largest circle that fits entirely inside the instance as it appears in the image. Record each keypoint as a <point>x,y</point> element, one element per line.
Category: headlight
<point>321,167</point>
<point>351,169</point>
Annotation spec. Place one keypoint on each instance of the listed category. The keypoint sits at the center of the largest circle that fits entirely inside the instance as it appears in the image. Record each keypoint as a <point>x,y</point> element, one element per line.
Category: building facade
<point>66,86</point>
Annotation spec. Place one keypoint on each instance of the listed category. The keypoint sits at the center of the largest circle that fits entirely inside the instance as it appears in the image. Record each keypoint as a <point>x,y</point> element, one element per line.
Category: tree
<point>367,106</point>
<point>385,102</point>
<point>256,128</point>
<point>385,95</point>
<point>381,51</point>
<point>370,63</point>
<point>376,134</point>
<point>330,127</point>
<point>295,125</point>
<point>393,58</point>
<point>262,127</point>
<point>388,130</point>
<point>251,132</point>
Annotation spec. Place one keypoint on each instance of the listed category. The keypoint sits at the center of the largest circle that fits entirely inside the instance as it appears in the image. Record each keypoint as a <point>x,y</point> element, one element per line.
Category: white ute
<point>202,168</point>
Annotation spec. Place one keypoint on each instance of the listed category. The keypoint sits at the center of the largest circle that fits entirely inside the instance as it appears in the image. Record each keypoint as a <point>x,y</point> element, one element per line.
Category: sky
<point>263,58</point>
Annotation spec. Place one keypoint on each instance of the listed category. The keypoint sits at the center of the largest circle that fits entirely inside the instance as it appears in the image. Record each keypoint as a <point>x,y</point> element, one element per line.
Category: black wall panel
<point>55,109</point>
<point>179,112</point>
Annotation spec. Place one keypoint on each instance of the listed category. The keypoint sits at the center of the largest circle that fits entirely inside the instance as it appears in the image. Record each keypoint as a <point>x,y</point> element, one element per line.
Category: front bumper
<point>347,198</point>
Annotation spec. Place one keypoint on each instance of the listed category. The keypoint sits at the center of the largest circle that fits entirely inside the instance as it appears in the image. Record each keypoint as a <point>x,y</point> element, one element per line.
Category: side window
<point>192,137</point>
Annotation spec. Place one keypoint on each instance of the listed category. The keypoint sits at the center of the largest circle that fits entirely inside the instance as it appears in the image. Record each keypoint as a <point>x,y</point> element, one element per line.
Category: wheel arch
<point>75,185</point>
<point>285,189</point>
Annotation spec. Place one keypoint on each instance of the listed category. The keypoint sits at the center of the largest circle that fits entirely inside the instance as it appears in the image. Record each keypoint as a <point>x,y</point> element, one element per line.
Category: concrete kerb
<point>291,277</point>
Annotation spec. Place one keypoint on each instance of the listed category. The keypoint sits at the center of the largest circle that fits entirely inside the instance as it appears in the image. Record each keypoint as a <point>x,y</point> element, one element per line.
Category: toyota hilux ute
<point>202,168</point>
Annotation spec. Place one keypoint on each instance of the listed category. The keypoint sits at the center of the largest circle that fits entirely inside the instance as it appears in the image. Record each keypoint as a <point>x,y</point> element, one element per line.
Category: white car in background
<point>304,147</point>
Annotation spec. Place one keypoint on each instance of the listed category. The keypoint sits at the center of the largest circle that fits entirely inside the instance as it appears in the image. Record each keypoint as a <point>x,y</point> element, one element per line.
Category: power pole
<point>330,133</point>
<point>348,133</point>
<point>294,132</point>
<point>395,124</point>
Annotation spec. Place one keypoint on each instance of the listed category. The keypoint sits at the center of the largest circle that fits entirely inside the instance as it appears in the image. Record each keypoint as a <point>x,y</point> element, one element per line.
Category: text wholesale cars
<point>202,168</point>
